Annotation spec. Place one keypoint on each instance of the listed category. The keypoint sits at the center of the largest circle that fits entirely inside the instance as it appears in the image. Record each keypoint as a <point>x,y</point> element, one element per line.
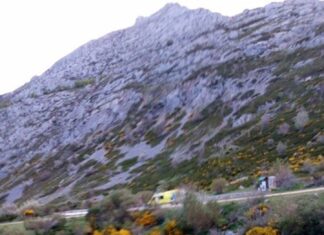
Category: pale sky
<point>37,33</point>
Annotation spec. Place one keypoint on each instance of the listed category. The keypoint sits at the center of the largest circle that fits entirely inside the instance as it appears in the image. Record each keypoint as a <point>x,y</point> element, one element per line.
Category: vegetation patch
<point>128,163</point>
<point>83,83</point>
<point>4,103</point>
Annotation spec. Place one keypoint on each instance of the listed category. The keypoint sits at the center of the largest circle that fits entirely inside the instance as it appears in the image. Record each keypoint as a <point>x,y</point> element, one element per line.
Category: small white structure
<point>266,183</point>
<point>272,182</point>
<point>263,186</point>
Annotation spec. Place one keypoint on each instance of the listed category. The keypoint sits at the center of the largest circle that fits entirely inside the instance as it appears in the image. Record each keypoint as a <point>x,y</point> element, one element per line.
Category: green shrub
<point>83,83</point>
<point>196,214</point>
<point>11,231</point>
<point>307,219</point>
<point>128,163</point>
<point>7,217</point>
<point>173,214</point>
<point>281,148</point>
<point>285,179</point>
<point>143,197</point>
<point>218,185</point>
<point>8,213</point>
<point>4,104</point>
<point>113,210</point>
<point>45,225</point>
<point>301,119</point>
<point>195,217</point>
<point>214,212</point>
<point>232,216</point>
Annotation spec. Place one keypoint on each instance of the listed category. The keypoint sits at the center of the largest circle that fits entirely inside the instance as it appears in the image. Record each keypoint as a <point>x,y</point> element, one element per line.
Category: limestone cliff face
<point>168,86</point>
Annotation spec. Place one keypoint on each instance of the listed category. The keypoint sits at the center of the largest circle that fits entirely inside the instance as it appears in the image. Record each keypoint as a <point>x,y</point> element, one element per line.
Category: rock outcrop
<point>178,85</point>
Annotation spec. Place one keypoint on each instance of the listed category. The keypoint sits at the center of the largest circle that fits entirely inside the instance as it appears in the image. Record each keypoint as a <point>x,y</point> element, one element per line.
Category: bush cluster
<point>262,231</point>
<point>308,218</point>
<point>113,216</point>
<point>193,218</point>
<point>113,210</point>
<point>45,225</point>
<point>145,219</point>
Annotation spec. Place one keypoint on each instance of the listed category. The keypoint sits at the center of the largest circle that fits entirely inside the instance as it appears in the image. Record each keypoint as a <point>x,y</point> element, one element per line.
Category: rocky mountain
<point>182,96</point>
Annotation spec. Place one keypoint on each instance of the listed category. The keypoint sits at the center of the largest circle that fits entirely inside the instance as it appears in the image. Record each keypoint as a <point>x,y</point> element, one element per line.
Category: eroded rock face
<point>132,80</point>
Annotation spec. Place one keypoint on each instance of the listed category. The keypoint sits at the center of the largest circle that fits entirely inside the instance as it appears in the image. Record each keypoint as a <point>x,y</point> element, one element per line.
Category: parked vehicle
<point>168,197</point>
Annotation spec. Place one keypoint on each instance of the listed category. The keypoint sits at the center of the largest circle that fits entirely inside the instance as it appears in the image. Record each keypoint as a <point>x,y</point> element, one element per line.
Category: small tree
<point>306,219</point>
<point>143,197</point>
<point>112,211</point>
<point>283,129</point>
<point>302,119</point>
<point>284,177</point>
<point>309,167</point>
<point>163,185</point>
<point>320,139</point>
<point>195,214</point>
<point>321,90</point>
<point>270,143</point>
<point>265,120</point>
<point>218,185</point>
<point>281,148</point>
<point>46,225</point>
<point>8,212</point>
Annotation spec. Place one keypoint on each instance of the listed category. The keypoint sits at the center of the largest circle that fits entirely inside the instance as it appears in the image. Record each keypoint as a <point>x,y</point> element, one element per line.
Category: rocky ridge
<point>179,87</point>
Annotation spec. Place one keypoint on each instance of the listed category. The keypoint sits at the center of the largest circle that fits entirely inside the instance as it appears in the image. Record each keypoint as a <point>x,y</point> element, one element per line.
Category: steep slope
<point>183,95</point>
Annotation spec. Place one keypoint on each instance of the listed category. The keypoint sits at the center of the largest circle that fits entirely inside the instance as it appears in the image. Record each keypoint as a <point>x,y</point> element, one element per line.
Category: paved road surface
<point>290,193</point>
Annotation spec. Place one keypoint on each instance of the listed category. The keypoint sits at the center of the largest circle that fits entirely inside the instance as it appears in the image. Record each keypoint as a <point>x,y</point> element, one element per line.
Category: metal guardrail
<point>73,213</point>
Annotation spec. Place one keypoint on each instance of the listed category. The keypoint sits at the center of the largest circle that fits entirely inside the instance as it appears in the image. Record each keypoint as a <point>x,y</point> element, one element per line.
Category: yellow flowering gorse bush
<point>145,219</point>
<point>262,231</point>
<point>172,229</point>
<point>112,231</point>
<point>29,212</point>
<point>256,211</point>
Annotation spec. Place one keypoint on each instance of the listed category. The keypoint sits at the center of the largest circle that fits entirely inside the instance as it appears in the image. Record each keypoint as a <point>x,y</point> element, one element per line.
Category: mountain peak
<point>180,85</point>
<point>301,1</point>
<point>169,10</point>
<point>172,7</point>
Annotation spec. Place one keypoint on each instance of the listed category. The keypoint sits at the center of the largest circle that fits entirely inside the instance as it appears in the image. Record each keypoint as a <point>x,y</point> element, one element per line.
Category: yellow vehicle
<point>167,197</point>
